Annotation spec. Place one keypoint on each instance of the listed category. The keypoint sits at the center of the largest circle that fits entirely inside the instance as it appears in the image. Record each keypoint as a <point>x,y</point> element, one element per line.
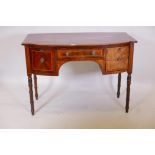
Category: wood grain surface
<point>46,53</point>
<point>78,39</point>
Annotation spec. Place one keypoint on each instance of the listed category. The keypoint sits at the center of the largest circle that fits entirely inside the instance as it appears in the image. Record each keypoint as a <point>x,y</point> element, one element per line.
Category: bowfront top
<point>78,39</point>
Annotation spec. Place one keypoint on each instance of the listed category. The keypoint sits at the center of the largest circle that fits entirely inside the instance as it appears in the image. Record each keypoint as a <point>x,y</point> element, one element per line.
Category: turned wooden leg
<point>31,93</point>
<point>35,87</point>
<point>119,85</point>
<point>128,92</point>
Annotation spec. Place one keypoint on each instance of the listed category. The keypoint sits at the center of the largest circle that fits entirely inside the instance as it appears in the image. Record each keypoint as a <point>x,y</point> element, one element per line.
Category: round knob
<point>42,60</point>
<point>67,53</point>
<point>94,53</point>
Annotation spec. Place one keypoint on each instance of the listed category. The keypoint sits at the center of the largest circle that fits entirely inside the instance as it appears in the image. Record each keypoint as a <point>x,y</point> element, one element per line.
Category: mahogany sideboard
<point>46,53</point>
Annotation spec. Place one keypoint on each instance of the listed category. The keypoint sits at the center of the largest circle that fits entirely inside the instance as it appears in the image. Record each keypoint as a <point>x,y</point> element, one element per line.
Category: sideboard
<point>46,53</point>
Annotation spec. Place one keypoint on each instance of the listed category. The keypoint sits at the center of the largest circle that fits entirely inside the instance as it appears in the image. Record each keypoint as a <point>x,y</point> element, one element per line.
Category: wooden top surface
<point>78,39</point>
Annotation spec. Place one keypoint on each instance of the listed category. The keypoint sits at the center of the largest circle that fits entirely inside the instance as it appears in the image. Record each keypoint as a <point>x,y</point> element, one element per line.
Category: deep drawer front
<point>117,58</point>
<point>43,60</point>
<point>77,53</point>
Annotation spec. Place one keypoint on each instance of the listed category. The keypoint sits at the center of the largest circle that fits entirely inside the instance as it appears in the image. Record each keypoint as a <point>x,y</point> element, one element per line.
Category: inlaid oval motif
<point>42,60</point>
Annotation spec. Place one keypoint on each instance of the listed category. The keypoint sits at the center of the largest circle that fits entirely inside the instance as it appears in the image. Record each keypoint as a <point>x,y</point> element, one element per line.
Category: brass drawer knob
<point>67,54</point>
<point>93,53</point>
<point>42,60</point>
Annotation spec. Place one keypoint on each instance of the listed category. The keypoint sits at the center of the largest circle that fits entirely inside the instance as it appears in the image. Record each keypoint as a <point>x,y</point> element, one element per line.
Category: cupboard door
<point>117,59</point>
<point>43,60</point>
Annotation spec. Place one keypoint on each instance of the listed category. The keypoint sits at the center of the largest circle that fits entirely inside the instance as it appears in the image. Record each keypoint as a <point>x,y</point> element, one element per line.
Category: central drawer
<point>79,53</point>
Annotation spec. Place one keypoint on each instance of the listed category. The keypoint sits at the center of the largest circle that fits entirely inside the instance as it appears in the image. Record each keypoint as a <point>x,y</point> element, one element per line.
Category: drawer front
<point>42,60</point>
<point>117,58</point>
<point>79,53</point>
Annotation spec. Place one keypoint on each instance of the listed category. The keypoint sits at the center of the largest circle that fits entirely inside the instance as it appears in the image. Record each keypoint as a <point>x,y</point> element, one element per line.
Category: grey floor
<point>77,105</point>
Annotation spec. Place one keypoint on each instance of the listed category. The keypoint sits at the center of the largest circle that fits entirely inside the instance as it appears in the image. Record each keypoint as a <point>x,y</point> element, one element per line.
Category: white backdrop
<point>80,97</point>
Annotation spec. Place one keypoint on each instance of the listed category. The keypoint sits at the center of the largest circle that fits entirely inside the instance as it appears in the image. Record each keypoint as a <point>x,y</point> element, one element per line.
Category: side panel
<point>28,59</point>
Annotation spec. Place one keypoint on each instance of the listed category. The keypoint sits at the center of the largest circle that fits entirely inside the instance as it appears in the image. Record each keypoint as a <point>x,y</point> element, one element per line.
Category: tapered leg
<point>119,85</point>
<point>35,87</point>
<point>128,92</point>
<point>31,93</point>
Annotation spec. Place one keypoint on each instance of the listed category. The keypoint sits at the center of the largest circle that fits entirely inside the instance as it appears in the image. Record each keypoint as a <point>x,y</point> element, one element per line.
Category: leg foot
<point>119,85</point>
<point>35,87</point>
<point>128,93</point>
<point>31,93</point>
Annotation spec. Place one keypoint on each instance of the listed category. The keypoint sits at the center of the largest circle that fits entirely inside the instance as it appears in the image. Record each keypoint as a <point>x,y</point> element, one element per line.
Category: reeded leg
<point>35,87</point>
<point>31,93</point>
<point>119,85</point>
<point>128,92</point>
